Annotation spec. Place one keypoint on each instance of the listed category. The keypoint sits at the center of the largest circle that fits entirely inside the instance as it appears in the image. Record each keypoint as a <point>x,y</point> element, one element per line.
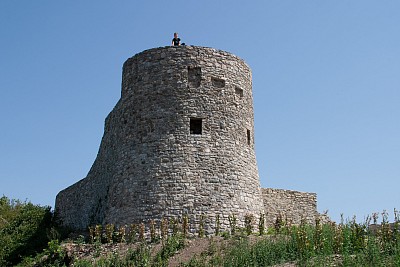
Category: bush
<point>173,244</point>
<point>24,232</point>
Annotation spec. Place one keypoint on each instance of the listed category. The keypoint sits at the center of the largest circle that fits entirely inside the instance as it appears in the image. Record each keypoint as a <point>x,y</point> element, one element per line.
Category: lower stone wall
<point>293,206</point>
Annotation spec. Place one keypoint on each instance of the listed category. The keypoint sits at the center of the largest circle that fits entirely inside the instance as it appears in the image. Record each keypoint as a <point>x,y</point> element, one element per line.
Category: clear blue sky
<point>326,85</point>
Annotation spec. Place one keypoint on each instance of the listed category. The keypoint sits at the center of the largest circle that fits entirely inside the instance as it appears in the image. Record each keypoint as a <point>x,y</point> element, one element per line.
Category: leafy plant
<point>142,230</point>
<point>153,233</point>
<point>132,233</point>
<point>248,221</point>
<point>164,228</point>
<point>232,223</point>
<point>170,246</point>
<point>261,224</point>
<point>98,232</point>
<point>174,224</point>
<point>201,226</point>
<point>185,226</point>
<point>25,231</point>
<point>217,225</point>
<point>110,233</point>
<point>120,234</point>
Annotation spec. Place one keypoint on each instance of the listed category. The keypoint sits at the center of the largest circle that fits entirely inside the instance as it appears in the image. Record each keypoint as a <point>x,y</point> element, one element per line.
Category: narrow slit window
<point>194,76</point>
<point>196,126</point>
<point>248,137</point>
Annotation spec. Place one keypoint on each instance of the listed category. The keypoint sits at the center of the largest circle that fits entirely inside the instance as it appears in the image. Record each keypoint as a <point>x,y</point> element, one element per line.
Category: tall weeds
<point>345,244</point>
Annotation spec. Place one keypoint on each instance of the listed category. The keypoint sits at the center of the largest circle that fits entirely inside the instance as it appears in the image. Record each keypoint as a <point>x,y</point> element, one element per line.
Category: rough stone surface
<point>292,206</point>
<point>179,141</point>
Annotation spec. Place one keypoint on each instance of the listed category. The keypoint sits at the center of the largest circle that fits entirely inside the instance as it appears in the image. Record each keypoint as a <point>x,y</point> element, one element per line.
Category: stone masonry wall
<point>179,141</point>
<point>291,205</point>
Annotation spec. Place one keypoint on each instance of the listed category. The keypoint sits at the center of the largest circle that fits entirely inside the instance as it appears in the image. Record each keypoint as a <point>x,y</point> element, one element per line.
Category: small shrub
<point>185,226</point>
<point>164,228</point>
<point>261,224</point>
<point>55,250</point>
<point>98,232</point>
<point>248,221</point>
<point>174,224</point>
<point>139,257</point>
<point>132,233</point>
<point>232,223</point>
<point>122,234</point>
<point>201,226</point>
<point>142,230</point>
<point>109,233</point>
<point>225,234</point>
<point>97,249</point>
<point>153,233</point>
<point>91,234</point>
<point>278,223</point>
<point>83,263</point>
<point>170,246</point>
<point>25,232</point>
<point>217,225</point>
<point>318,239</point>
<point>80,240</point>
<point>54,255</point>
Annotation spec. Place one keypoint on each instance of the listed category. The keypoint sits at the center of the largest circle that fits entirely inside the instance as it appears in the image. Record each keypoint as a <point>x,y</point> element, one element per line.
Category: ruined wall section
<point>293,206</point>
<point>84,202</point>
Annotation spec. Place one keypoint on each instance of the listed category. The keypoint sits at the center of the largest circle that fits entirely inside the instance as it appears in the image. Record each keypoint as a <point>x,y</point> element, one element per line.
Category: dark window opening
<point>195,126</point>
<point>194,76</point>
<point>217,82</point>
<point>248,137</point>
<point>239,91</point>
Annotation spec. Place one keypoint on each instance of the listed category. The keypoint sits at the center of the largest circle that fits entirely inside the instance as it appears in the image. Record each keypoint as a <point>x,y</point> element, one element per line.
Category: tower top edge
<point>185,49</point>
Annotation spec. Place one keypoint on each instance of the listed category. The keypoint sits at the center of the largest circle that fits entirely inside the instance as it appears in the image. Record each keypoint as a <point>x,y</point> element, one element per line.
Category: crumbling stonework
<point>293,206</point>
<point>179,141</point>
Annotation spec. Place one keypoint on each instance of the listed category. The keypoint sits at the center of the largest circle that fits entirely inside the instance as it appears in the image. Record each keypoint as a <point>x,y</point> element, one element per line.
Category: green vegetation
<point>346,244</point>
<point>24,229</point>
<point>29,237</point>
<point>139,257</point>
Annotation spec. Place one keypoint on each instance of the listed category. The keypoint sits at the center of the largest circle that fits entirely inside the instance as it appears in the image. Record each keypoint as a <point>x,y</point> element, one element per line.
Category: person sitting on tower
<point>176,41</point>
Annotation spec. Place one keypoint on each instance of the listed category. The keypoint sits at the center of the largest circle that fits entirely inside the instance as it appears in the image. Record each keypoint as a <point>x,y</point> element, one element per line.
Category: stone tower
<point>179,141</point>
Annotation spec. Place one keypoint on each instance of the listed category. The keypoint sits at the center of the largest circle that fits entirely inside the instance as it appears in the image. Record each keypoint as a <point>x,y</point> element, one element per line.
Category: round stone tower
<point>180,141</point>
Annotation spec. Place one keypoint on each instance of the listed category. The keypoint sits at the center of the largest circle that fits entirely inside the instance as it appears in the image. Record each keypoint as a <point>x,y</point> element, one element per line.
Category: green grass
<point>29,237</point>
<point>346,244</point>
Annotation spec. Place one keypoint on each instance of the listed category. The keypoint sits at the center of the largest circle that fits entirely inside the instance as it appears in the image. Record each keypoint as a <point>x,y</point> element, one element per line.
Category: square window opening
<point>217,82</point>
<point>239,91</point>
<point>196,126</point>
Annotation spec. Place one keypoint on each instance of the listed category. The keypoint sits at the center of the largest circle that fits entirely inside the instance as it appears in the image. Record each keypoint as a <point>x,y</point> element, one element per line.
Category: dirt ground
<point>90,251</point>
<point>193,247</point>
